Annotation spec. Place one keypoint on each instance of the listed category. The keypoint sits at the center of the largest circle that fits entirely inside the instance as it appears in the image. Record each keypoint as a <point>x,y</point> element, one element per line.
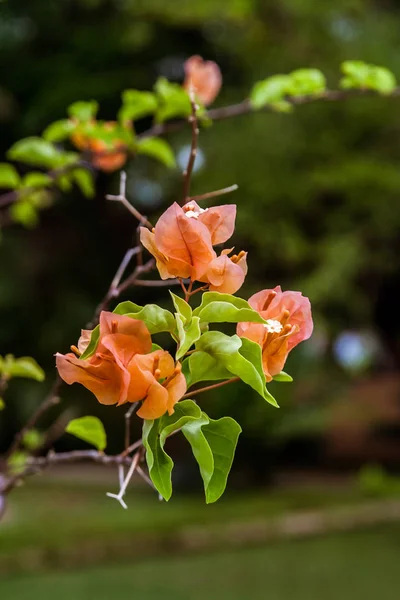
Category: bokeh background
<point>314,482</point>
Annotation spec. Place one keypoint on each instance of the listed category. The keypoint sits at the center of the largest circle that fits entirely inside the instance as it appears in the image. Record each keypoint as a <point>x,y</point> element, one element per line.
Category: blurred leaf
<point>25,367</point>
<point>83,110</point>
<point>155,433</point>
<point>157,319</point>
<point>2,404</point>
<point>64,182</point>
<point>306,82</point>
<point>59,130</point>
<point>213,444</point>
<point>136,104</point>
<point>173,100</point>
<point>25,213</point>
<point>35,151</point>
<point>271,91</point>
<point>89,429</point>
<point>364,76</point>
<point>32,439</point>
<point>9,177</point>
<point>85,181</point>
<point>159,149</point>
<point>36,179</point>
<point>224,308</point>
<point>17,462</point>
<point>282,376</point>
<point>239,356</point>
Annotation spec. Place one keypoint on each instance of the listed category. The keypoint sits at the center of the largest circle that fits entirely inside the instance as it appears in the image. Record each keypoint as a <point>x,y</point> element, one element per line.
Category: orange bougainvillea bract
<point>123,368</point>
<point>203,78</point>
<point>288,322</point>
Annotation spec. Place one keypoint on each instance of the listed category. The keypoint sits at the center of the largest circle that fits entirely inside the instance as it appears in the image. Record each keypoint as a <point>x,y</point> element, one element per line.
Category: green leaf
<point>271,91</point>
<point>201,366</point>
<point>154,435</point>
<point>157,148</point>
<point>25,367</point>
<point>188,334</point>
<point>59,130</point>
<point>382,80</point>
<point>35,151</point>
<point>83,111</point>
<point>306,82</point>
<point>156,318</point>
<point>88,429</point>
<point>84,180</point>
<point>136,104</point>
<point>282,376</point>
<point>25,213</point>
<point>92,345</point>
<point>239,356</point>
<point>2,404</point>
<point>36,179</point>
<point>360,75</point>
<point>213,444</point>
<point>17,462</point>
<point>9,177</point>
<point>224,308</point>
<point>32,439</point>
<point>173,100</point>
<point>182,307</point>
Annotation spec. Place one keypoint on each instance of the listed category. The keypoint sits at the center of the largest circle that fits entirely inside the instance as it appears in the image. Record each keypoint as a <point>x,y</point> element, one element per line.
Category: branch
<point>209,387</point>
<point>187,174</point>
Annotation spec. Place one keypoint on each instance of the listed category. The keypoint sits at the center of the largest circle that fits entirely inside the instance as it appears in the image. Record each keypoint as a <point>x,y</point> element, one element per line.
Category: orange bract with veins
<point>182,244</point>
<point>289,322</point>
<point>123,368</point>
<point>203,78</point>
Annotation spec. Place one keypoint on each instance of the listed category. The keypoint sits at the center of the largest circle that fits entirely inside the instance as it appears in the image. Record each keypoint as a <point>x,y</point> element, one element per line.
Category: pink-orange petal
<point>155,404</point>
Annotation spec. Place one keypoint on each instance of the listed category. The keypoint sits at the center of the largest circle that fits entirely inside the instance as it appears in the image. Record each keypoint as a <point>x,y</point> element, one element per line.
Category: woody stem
<point>187,174</point>
<point>210,387</point>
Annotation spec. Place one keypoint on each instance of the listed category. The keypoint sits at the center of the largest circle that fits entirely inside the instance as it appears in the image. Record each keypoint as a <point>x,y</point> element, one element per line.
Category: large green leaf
<point>9,177</point>
<point>26,367</point>
<point>59,130</point>
<point>213,444</point>
<point>156,318</point>
<point>136,104</point>
<point>88,429</point>
<point>35,151</point>
<point>154,435</point>
<point>239,356</point>
<point>224,308</point>
<point>158,149</point>
<point>201,366</point>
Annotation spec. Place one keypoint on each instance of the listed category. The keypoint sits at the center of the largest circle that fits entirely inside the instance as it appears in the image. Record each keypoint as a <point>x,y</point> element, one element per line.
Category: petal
<point>84,340</point>
<point>203,77</point>
<point>102,377</point>
<point>176,389</point>
<point>155,403</point>
<point>111,323</point>
<point>274,357</point>
<point>122,347</point>
<point>224,275</point>
<point>220,222</point>
<point>141,377</point>
<point>252,331</point>
<point>166,267</point>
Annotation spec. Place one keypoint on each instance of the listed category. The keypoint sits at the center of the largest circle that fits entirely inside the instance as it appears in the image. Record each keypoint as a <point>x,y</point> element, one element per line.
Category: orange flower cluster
<point>182,244</point>
<point>289,322</point>
<point>203,78</point>
<point>123,368</point>
<point>106,157</point>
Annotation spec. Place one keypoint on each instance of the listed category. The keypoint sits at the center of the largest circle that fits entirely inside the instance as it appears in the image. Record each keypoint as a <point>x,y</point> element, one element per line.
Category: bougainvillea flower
<point>288,322</point>
<point>225,273</point>
<point>203,78</point>
<point>219,220</point>
<point>106,156</point>
<point>124,370</point>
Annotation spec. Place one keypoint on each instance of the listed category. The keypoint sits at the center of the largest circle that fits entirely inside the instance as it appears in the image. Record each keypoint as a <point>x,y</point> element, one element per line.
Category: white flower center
<point>193,214</point>
<point>273,326</point>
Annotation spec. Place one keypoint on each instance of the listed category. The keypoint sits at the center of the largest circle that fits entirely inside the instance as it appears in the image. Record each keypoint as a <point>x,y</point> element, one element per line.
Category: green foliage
<point>273,90</point>
<point>157,319</point>
<point>2,404</point>
<point>59,130</point>
<point>17,462</point>
<point>32,439</point>
<point>306,82</point>
<point>283,377</point>
<point>25,367</point>
<point>35,151</point>
<point>188,326</point>
<point>89,429</point>
<point>25,213</point>
<point>9,177</point>
<point>92,345</point>
<point>224,308</point>
<point>36,179</point>
<point>85,181</point>
<point>82,110</point>
<point>360,75</point>
<point>157,148</point>
<point>239,356</point>
<point>136,104</point>
<point>213,444</point>
<point>173,100</point>
<point>201,366</point>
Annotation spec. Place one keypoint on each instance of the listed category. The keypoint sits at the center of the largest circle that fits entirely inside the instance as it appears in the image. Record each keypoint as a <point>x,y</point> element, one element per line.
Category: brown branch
<point>207,195</point>
<point>209,387</point>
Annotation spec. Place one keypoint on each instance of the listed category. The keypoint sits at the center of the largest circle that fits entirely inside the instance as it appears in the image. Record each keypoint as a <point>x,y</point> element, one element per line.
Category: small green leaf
<point>25,367</point>
<point>92,345</point>
<point>188,334</point>
<point>154,435</point>
<point>213,444</point>
<point>136,104</point>
<point>35,151</point>
<point>88,429</point>
<point>25,213</point>
<point>271,91</point>
<point>17,462</point>
<point>173,100</point>
<point>156,318</point>
<point>224,308</point>
<point>157,148</point>
<point>59,130</point>
<point>36,179</point>
<point>360,75</point>
<point>182,307</point>
<point>282,376</point>
<point>84,180</point>
<point>306,82</point>
<point>9,177</point>
<point>32,439</point>
<point>2,404</point>
<point>83,111</point>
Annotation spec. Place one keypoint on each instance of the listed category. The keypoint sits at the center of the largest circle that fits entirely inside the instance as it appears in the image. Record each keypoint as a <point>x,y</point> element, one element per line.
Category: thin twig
<point>187,174</point>
<point>209,387</point>
<point>121,197</point>
<point>125,483</point>
<point>128,416</point>
<point>206,196</point>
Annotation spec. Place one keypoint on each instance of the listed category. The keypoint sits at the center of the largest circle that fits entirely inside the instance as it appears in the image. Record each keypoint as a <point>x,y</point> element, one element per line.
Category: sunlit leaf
<point>173,100</point>
<point>9,177</point>
<point>25,367</point>
<point>136,104</point>
<point>59,130</point>
<point>88,429</point>
<point>35,151</point>
<point>157,319</point>
<point>83,110</point>
<point>224,308</point>
<point>36,179</point>
<point>157,148</point>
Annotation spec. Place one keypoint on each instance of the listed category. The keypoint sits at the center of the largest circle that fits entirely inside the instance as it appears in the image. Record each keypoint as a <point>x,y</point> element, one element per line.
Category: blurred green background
<point>318,212</point>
